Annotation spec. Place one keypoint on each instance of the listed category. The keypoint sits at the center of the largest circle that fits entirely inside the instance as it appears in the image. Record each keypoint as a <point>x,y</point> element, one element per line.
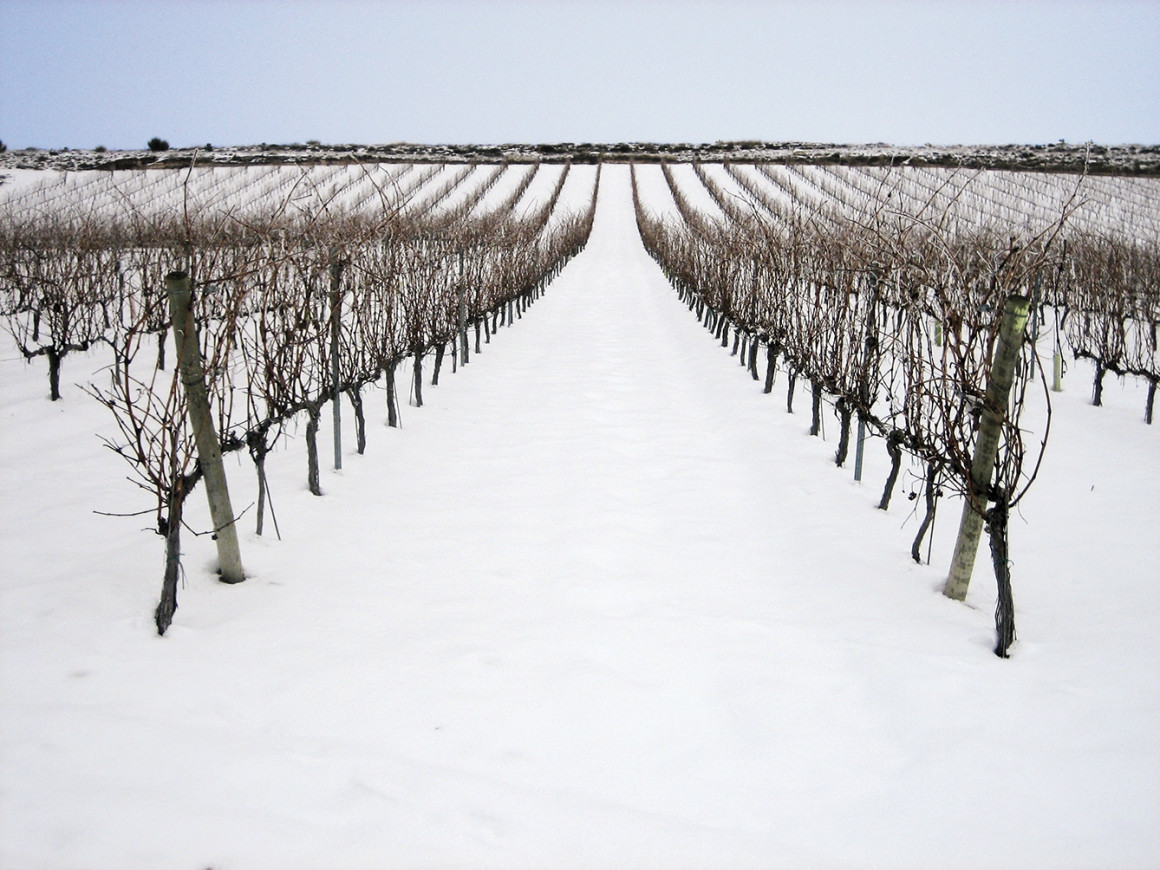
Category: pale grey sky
<point>81,73</point>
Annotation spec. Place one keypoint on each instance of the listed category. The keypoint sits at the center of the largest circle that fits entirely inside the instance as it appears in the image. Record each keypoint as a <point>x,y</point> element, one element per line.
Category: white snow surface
<point>576,194</point>
<point>509,181</point>
<point>600,603</point>
<point>696,194</point>
<point>541,189</point>
<point>655,194</point>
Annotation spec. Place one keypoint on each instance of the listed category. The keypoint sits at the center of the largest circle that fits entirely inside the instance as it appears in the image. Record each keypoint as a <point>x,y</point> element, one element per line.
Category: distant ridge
<point>1055,157</point>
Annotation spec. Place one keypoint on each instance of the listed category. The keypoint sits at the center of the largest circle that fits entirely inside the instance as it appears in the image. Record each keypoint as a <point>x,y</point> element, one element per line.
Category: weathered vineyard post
<point>1035,315</point>
<point>462,310</point>
<point>987,446</point>
<point>860,448</point>
<point>870,349</point>
<point>335,316</point>
<point>1057,359</point>
<point>209,453</point>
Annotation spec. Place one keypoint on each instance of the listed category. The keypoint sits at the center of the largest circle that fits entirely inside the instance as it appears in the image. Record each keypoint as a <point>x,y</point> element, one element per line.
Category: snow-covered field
<point>599,603</point>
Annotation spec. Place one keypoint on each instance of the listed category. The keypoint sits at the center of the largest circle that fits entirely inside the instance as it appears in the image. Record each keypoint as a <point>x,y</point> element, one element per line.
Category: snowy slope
<point>540,190</point>
<point>655,193</point>
<point>507,184</point>
<point>599,603</point>
<point>694,191</point>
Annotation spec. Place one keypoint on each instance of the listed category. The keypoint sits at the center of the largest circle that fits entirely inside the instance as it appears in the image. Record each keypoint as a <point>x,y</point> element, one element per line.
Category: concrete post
<point>209,452</point>
<point>462,310</point>
<point>987,446</point>
<point>870,361</point>
<point>335,326</point>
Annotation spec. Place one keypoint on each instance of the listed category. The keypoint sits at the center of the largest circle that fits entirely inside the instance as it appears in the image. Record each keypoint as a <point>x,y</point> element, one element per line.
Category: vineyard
<point>883,288</point>
<point>598,554</point>
<point>886,289</point>
<point>311,284</point>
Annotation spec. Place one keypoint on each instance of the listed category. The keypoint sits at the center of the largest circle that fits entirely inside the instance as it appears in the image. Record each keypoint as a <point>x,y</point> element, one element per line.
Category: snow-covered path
<point>599,603</point>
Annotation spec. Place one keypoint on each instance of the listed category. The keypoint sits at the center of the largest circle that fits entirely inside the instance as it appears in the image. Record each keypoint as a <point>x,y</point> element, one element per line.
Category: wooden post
<point>987,446</point>
<point>335,314</point>
<point>209,452</point>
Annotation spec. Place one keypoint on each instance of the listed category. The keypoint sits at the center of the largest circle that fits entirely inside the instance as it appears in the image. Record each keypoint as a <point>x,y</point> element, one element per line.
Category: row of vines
<point>893,316</point>
<point>296,304</point>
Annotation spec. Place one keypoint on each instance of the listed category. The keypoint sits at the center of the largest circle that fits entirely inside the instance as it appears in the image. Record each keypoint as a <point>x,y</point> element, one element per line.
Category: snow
<point>775,193</point>
<point>541,188</point>
<point>695,192</point>
<point>250,189</point>
<point>476,178</point>
<point>655,194</point>
<point>734,192</point>
<point>508,182</point>
<point>599,603</point>
<point>576,194</point>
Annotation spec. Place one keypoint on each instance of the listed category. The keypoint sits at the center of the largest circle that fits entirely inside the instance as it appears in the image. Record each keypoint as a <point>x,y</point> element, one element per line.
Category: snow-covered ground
<point>599,603</point>
<point>655,193</point>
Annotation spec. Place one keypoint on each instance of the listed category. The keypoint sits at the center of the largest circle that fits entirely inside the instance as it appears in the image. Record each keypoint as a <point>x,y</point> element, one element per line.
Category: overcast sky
<point>81,73</point>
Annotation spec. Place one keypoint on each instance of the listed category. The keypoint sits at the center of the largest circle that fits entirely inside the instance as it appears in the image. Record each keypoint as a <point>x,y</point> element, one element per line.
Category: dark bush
<point>156,144</point>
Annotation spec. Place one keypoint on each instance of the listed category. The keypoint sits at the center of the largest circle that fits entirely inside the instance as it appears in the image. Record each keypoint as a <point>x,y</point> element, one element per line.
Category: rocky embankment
<point>1056,157</point>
